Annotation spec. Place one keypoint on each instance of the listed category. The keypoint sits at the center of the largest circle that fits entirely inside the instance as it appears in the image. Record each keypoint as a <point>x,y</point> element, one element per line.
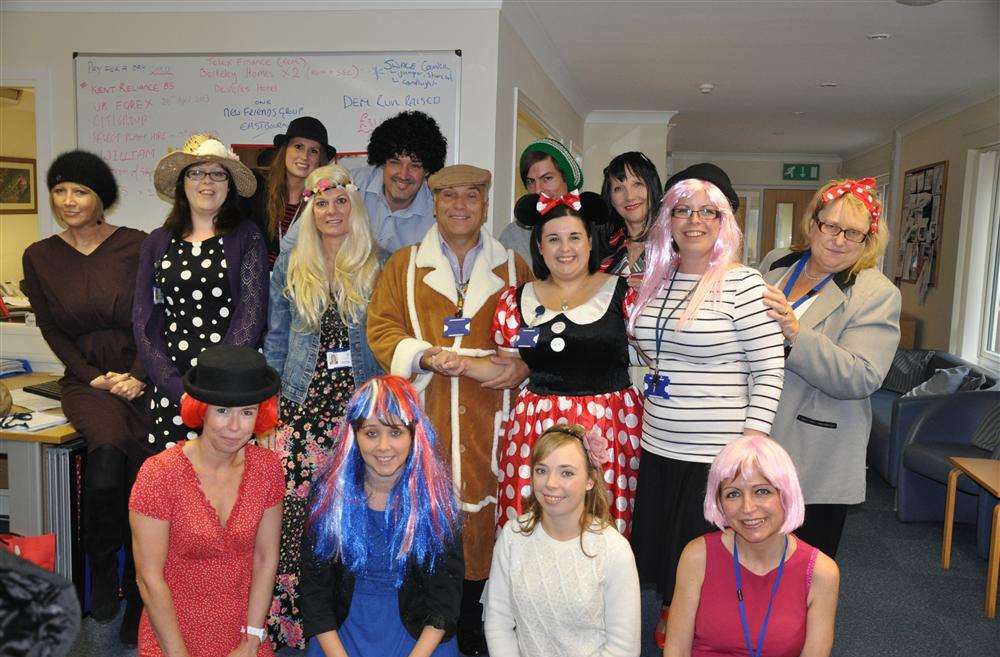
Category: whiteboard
<point>131,108</point>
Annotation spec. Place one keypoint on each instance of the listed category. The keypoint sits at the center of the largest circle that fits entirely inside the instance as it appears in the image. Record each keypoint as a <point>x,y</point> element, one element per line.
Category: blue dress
<point>373,626</point>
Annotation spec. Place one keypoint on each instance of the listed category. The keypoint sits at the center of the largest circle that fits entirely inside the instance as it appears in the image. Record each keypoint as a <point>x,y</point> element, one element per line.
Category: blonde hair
<point>98,206</point>
<point>596,504</point>
<point>874,244</point>
<point>308,284</point>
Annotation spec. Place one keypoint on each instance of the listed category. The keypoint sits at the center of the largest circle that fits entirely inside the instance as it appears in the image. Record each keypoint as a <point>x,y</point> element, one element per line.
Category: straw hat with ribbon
<point>202,148</point>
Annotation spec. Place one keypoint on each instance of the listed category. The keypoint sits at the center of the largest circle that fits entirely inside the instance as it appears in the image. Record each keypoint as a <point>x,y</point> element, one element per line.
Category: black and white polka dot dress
<point>192,278</point>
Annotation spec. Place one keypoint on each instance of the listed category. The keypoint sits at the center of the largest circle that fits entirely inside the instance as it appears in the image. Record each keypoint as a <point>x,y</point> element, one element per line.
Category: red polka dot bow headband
<point>546,203</point>
<point>864,191</point>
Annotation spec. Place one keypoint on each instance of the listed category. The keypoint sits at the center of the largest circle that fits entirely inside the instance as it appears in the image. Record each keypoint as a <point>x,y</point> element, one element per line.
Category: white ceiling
<point>767,59</point>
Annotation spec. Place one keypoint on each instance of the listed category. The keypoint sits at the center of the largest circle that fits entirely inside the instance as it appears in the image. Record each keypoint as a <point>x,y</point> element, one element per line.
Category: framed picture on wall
<point>921,225</point>
<point>18,185</point>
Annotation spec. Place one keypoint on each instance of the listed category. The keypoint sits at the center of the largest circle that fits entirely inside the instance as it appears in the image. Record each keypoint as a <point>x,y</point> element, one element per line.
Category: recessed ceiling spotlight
<point>917,3</point>
<point>799,113</point>
<point>778,133</point>
<point>706,88</point>
<point>879,36</point>
<point>828,85</point>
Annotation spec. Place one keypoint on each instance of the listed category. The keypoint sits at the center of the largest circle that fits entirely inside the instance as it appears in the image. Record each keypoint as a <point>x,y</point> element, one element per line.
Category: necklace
<point>805,271</point>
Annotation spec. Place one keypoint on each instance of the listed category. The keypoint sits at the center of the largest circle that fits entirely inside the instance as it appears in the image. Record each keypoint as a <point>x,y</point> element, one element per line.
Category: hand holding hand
<point>515,371</point>
<point>781,311</point>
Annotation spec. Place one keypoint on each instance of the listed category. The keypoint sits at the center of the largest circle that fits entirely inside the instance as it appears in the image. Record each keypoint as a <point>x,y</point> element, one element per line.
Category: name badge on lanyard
<point>527,338</point>
<point>656,385</point>
<point>157,295</point>
<point>456,326</point>
<point>336,360</point>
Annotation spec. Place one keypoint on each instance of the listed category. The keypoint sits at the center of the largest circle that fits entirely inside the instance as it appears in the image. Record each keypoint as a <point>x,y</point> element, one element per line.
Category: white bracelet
<point>254,631</point>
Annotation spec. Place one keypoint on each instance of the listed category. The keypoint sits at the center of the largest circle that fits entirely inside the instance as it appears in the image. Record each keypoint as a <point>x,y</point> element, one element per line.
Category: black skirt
<point>668,515</point>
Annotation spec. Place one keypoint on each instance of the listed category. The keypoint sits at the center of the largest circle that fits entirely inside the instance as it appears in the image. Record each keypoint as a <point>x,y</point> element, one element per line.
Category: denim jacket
<point>293,353</point>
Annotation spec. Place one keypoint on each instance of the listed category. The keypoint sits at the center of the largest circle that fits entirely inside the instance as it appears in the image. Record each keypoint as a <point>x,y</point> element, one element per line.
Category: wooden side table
<point>986,473</point>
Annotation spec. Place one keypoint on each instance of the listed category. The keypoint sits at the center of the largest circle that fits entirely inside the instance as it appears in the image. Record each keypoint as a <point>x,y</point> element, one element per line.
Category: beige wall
<point>518,68</point>
<point>750,171</point>
<point>47,41</point>
<point>17,139</point>
<point>874,162</point>
<point>948,139</point>
<point>605,141</point>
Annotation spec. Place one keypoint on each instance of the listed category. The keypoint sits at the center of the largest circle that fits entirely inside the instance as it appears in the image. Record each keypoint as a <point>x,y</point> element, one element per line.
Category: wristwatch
<point>254,631</point>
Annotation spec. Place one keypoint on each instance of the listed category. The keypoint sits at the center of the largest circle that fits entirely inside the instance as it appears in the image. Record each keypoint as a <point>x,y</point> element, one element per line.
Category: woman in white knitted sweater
<point>563,580</point>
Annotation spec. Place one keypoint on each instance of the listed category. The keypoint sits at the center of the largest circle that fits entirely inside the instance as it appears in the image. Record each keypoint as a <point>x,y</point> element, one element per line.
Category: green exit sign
<point>800,172</point>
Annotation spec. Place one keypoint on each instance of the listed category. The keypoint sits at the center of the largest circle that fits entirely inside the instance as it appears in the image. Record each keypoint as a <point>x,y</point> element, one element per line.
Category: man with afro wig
<point>402,152</point>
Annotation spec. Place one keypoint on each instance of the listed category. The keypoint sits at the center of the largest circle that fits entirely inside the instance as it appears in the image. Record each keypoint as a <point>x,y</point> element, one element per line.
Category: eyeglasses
<point>850,234</point>
<point>15,420</point>
<point>218,175</point>
<point>684,212</point>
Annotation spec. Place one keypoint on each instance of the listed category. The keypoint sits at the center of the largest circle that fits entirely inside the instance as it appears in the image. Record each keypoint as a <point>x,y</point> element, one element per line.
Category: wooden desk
<point>26,478</point>
<point>986,473</point>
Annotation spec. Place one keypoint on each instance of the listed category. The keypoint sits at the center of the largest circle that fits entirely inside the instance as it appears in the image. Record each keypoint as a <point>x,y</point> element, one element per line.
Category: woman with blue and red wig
<point>382,563</point>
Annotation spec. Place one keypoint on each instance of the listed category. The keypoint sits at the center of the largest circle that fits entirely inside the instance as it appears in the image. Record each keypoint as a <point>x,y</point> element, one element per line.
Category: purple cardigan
<point>247,274</point>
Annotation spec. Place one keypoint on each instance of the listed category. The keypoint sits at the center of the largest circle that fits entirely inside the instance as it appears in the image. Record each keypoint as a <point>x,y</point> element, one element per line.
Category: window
<point>990,335</point>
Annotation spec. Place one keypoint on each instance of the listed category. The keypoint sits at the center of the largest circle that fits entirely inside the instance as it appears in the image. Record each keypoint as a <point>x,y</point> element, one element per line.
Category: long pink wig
<point>662,259</point>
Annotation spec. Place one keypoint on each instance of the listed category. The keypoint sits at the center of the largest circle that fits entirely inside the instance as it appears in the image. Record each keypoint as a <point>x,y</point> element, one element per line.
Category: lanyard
<point>751,650</point>
<point>795,276</point>
<point>461,288</point>
<point>661,323</point>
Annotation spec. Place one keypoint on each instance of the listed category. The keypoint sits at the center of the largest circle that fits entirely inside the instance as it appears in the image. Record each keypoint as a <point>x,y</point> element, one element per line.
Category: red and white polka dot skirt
<point>617,414</point>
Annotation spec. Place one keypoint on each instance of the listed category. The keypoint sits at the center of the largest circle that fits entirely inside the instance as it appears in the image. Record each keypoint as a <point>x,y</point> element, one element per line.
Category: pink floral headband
<point>864,191</point>
<point>326,184</point>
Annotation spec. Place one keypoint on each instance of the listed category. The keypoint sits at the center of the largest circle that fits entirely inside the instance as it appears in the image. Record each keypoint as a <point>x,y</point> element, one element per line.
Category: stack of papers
<point>33,402</point>
<point>38,422</point>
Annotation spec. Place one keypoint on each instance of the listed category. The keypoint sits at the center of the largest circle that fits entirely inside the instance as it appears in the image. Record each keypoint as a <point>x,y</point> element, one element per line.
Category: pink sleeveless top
<point>717,628</point>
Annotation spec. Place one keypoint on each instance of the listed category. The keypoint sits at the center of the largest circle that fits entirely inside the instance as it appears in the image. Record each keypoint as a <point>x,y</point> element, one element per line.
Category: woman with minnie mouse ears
<point>206,515</point>
<point>569,327</point>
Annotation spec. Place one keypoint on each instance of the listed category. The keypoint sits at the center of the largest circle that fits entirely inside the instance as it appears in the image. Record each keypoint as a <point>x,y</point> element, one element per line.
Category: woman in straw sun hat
<point>202,276</point>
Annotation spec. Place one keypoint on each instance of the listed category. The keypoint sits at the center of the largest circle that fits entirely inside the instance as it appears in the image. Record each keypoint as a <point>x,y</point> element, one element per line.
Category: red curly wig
<point>193,413</point>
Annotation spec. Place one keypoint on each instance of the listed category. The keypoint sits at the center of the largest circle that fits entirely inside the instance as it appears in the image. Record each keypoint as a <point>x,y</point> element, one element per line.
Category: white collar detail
<point>587,312</point>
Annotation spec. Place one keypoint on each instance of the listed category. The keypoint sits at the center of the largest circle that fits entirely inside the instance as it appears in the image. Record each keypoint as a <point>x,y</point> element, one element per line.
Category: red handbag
<point>39,550</point>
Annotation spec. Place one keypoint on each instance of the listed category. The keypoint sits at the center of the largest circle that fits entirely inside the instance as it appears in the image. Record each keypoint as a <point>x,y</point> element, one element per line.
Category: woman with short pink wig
<point>753,584</point>
<point>716,364</point>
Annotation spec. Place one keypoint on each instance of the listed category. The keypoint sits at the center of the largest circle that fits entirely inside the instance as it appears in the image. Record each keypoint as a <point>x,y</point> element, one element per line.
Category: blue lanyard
<point>795,276</point>
<point>756,652</point>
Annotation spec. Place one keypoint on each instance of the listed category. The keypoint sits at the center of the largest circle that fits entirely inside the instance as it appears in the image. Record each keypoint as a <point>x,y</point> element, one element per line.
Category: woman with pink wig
<point>753,587</point>
<point>716,364</point>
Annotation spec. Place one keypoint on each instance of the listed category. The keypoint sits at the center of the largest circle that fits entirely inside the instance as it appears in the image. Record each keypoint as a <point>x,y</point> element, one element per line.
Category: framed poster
<point>18,186</point>
<point>921,225</point>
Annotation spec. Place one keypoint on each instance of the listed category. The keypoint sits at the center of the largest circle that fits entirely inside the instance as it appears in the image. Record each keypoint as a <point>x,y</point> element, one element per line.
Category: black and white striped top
<point>726,367</point>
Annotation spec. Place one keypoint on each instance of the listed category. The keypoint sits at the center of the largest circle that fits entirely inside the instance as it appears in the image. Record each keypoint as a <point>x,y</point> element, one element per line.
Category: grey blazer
<point>847,339</point>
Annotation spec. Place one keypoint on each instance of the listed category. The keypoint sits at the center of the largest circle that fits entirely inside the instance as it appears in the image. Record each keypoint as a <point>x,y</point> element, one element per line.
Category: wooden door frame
<point>770,197</point>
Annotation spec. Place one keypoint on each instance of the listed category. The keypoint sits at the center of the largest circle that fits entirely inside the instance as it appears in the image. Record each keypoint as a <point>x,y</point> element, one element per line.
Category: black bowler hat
<point>306,127</point>
<point>711,173</point>
<point>231,376</point>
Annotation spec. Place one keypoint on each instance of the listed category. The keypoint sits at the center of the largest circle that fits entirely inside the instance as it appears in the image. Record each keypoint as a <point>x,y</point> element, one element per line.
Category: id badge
<point>527,338</point>
<point>456,326</point>
<point>336,360</point>
<point>655,385</point>
<point>157,295</point>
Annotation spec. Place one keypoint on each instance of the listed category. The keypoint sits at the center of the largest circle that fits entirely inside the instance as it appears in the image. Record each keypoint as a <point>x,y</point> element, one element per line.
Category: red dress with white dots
<point>579,375</point>
<point>208,567</point>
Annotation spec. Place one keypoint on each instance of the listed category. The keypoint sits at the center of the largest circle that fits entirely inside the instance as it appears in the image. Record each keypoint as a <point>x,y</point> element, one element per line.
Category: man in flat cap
<point>429,319</point>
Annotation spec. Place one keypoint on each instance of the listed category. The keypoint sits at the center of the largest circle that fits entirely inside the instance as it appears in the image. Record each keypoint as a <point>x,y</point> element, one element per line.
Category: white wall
<point>607,137</point>
<point>47,41</point>
<point>758,169</point>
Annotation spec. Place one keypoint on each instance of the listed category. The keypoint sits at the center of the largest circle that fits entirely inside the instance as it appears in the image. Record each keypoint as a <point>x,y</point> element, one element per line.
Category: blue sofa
<point>893,416</point>
<point>945,428</point>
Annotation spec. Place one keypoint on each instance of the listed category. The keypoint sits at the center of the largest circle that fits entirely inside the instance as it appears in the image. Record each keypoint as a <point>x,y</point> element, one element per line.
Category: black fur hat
<point>85,169</point>
<point>592,210</point>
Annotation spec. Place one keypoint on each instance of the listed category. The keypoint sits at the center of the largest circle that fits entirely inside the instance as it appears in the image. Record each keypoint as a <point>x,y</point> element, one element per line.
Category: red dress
<point>208,567</point>
<point>717,628</point>
<point>579,375</point>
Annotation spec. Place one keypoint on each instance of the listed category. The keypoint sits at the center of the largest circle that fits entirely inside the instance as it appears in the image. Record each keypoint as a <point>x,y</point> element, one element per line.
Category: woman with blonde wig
<point>840,320</point>
<point>563,580</point>
<point>715,358</point>
<point>317,319</point>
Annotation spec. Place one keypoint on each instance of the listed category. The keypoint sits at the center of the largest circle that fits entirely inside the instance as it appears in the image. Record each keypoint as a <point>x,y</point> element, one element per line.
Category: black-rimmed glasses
<point>706,213</point>
<point>850,234</point>
<point>199,174</point>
